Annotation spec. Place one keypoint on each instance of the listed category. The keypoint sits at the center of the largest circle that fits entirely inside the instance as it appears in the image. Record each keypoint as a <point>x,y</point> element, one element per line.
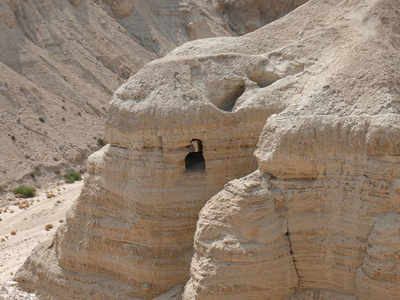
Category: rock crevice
<point>314,216</point>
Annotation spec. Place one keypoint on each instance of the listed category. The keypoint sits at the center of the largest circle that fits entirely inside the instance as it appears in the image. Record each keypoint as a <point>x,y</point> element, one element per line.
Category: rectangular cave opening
<point>194,160</point>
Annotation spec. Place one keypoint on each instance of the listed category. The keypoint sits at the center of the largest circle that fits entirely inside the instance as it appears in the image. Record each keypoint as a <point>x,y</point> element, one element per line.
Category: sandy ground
<point>29,223</point>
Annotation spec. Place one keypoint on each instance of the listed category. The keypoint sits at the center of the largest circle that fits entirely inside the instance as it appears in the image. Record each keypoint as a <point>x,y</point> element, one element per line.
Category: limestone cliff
<point>177,133</point>
<point>317,219</point>
<point>60,63</point>
<point>62,60</point>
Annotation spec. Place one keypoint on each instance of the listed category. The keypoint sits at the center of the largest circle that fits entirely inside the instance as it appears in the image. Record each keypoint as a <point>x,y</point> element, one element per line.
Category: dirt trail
<point>29,224</point>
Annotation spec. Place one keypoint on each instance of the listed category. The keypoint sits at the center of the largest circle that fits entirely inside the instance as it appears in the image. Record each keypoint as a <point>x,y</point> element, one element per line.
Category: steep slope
<point>61,61</point>
<point>244,16</point>
<point>60,64</point>
<point>317,219</point>
<point>320,217</point>
<point>172,127</point>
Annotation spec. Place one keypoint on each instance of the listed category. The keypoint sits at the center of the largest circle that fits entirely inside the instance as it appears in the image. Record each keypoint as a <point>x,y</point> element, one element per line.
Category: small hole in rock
<point>194,161</point>
<point>264,79</point>
<point>228,100</point>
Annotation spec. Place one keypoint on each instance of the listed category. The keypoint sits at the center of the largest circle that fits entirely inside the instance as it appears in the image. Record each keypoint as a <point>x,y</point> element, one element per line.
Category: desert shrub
<point>48,227</point>
<point>25,191</point>
<point>13,232</point>
<point>72,176</point>
<point>101,142</point>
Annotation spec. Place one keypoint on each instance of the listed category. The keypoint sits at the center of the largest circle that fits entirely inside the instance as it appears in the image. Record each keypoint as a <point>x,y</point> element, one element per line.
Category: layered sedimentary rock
<point>59,66</point>
<point>318,218</point>
<point>178,131</point>
<point>244,16</point>
<point>61,62</point>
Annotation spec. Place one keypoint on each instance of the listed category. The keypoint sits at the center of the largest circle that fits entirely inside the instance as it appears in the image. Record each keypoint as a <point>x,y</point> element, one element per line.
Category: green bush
<point>25,191</point>
<point>72,176</point>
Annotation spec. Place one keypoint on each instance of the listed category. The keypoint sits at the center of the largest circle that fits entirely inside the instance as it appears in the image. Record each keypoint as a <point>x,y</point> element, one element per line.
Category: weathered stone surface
<point>320,295</point>
<point>318,218</point>
<point>134,223</point>
<point>59,65</point>
<point>244,16</point>
<point>60,62</point>
<point>75,2</point>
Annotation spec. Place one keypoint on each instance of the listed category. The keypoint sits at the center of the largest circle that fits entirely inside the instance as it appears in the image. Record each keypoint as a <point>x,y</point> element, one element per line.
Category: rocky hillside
<point>316,217</point>
<point>61,61</point>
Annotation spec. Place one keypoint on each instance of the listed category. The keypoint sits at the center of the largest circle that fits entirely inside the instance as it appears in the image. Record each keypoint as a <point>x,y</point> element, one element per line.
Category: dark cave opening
<point>194,161</point>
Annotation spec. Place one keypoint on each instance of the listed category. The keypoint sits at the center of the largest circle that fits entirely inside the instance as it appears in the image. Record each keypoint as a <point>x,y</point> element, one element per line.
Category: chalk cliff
<point>316,217</point>
<point>61,61</point>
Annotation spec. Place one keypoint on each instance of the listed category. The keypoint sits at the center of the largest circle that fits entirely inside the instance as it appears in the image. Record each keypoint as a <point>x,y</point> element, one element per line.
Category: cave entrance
<point>194,161</point>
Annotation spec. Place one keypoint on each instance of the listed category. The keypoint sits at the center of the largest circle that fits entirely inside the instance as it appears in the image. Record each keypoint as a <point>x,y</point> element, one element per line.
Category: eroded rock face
<point>61,62</point>
<point>178,131</point>
<point>244,16</point>
<point>318,217</point>
<point>316,220</point>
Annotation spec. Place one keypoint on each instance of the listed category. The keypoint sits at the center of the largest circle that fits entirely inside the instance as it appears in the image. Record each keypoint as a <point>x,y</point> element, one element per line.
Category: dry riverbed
<point>25,222</point>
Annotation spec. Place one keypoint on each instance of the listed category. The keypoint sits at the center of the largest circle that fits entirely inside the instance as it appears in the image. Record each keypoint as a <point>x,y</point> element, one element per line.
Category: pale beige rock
<point>326,191</point>
<point>59,65</point>
<point>133,224</point>
<point>316,220</point>
<point>61,61</point>
<point>121,8</point>
<point>244,16</point>
<point>75,2</point>
<point>6,14</point>
<point>320,295</point>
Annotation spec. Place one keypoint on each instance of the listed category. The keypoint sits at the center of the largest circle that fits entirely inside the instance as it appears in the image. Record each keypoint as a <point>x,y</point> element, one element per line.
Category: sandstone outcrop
<point>61,61</point>
<point>172,128</point>
<point>317,219</point>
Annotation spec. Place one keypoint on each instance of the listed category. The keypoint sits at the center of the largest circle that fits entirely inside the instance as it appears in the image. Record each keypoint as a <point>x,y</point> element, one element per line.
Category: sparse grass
<point>48,227</point>
<point>25,191</point>
<point>72,176</point>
